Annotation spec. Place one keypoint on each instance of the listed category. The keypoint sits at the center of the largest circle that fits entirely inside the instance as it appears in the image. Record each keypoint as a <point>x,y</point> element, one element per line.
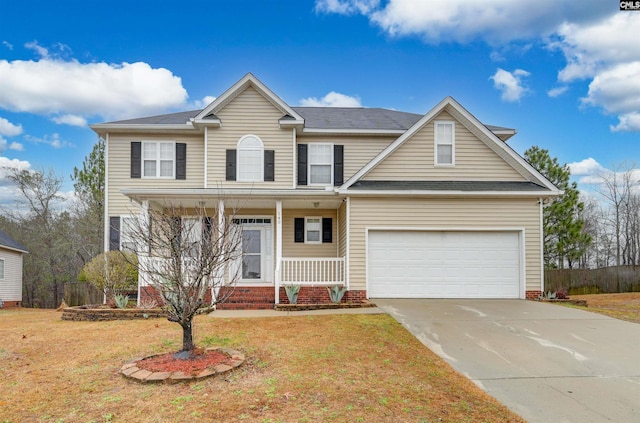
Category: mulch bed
<point>199,360</point>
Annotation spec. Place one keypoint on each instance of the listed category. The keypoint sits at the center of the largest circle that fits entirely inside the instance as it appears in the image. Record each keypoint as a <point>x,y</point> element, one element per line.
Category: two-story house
<point>386,203</point>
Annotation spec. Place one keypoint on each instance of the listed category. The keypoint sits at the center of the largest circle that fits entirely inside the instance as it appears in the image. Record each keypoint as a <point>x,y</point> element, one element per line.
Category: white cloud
<point>557,92</point>
<point>346,7</point>
<point>464,20</point>
<point>40,51</point>
<point>617,90</point>
<point>6,162</point>
<point>16,146</point>
<point>8,45</point>
<point>9,129</point>
<point>73,120</point>
<point>112,91</point>
<point>596,39</point>
<point>585,167</point>
<point>510,84</point>
<point>53,140</point>
<point>201,104</point>
<point>333,99</point>
<point>627,122</point>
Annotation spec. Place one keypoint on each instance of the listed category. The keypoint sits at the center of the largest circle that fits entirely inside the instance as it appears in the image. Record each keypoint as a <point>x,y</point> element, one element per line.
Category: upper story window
<point>158,159</point>
<point>250,159</point>
<point>1,268</point>
<point>320,164</point>
<point>444,143</point>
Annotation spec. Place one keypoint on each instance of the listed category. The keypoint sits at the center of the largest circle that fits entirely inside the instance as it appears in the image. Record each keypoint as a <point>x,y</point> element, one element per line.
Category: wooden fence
<point>594,281</point>
<point>80,293</point>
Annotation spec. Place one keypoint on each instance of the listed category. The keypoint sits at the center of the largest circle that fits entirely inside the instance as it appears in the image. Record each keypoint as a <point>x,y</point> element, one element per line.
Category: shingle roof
<point>168,119</point>
<point>8,242</point>
<point>355,118</point>
<point>447,186</point>
<point>315,117</point>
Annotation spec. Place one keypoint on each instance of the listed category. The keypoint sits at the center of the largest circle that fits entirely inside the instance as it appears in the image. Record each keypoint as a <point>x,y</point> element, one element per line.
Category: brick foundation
<point>11,304</point>
<point>319,295</point>
<point>263,297</point>
<point>148,293</point>
<point>533,295</point>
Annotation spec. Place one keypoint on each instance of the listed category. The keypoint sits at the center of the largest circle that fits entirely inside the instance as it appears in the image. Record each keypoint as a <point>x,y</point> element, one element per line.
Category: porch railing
<point>312,271</point>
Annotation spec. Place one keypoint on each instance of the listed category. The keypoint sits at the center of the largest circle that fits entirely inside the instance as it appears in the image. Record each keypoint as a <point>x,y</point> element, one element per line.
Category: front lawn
<point>624,306</point>
<point>337,368</point>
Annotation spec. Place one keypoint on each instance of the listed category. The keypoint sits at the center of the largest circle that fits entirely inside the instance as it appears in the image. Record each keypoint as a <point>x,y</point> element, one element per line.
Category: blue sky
<point>565,74</point>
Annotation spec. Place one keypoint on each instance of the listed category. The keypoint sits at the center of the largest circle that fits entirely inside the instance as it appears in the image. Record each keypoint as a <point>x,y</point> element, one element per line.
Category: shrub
<point>292,293</point>
<point>112,272</point>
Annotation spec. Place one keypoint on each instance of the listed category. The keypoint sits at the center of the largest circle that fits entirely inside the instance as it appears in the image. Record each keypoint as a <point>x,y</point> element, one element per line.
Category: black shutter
<point>181,160</point>
<point>114,233</point>
<point>298,231</point>
<point>327,229</point>
<point>302,164</point>
<point>136,159</point>
<point>338,165</point>
<point>269,162</point>
<point>231,165</point>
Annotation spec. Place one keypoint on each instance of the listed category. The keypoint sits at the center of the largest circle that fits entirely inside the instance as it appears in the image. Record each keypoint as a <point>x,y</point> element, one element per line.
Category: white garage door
<point>431,264</point>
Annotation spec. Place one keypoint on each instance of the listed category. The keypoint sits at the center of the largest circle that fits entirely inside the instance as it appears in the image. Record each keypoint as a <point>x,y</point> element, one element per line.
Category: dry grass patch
<point>624,306</point>
<point>336,368</point>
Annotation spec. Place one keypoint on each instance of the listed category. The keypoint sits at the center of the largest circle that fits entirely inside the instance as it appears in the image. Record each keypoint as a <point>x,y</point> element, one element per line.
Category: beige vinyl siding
<point>358,150</point>
<point>443,214</point>
<point>414,160</point>
<point>250,113</point>
<point>11,284</point>
<point>119,172</point>
<point>299,249</point>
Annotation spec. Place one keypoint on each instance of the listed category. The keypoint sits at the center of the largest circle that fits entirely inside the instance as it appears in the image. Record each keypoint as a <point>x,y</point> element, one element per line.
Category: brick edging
<point>132,371</point>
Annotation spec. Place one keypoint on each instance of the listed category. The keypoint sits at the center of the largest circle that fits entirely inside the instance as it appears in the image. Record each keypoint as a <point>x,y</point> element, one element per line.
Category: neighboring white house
<point>11,253</point>
<point>384,202</point>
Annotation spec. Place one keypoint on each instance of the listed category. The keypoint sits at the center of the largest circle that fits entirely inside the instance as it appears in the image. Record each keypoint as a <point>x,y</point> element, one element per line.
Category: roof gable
<point>290,116</point>
<point>465,118</point>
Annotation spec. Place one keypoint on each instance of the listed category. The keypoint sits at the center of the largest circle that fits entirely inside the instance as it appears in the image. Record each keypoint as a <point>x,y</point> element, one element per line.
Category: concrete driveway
<point>545,362</point>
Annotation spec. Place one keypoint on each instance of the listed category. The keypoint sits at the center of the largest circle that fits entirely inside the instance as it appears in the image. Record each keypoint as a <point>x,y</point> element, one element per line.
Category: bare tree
<point>46,232</point>
<point>185,254</point>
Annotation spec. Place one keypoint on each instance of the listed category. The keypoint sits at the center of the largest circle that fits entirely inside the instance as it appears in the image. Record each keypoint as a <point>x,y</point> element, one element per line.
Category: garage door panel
<point>443,264</point>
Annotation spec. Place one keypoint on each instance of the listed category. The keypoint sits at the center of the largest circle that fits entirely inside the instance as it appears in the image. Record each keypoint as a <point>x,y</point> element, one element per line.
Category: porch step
<point>249,298</point>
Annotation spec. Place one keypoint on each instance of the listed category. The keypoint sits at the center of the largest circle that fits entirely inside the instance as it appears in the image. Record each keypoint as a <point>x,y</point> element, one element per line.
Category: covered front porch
<point>285,241</point>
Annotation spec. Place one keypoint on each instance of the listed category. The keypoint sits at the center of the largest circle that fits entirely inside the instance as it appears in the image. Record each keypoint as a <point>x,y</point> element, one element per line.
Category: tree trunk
<point>187,336</point>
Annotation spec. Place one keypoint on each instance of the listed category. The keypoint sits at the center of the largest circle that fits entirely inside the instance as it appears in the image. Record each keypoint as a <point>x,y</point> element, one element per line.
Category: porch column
<point>144,216</point>
<point>278,247</point>
<point>219,277</point>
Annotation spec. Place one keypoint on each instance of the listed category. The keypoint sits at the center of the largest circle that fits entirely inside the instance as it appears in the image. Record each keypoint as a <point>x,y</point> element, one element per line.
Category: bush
<point>113,272</point>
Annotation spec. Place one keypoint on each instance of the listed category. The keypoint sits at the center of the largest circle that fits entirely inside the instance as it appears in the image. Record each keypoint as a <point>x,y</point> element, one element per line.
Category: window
<point>127,233</point>
<point>1,268</point>
<point>158,159</point>
<point>444,143</point>
<point>320,164</point>
<point>313,228</point>
<point>250,159</point>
